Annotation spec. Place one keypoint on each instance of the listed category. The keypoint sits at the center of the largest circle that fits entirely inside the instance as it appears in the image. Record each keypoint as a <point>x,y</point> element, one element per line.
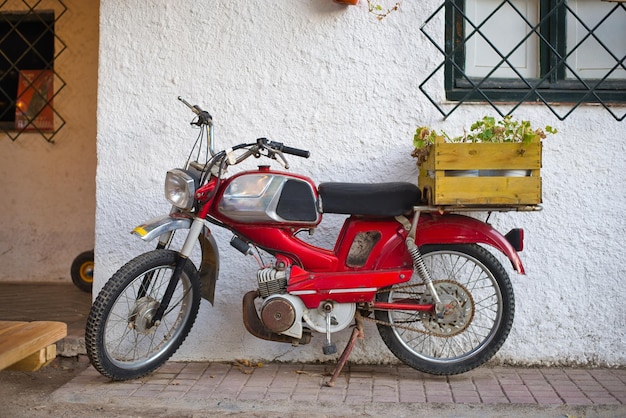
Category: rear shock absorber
<point>419,267</point>
<point>418,262</point>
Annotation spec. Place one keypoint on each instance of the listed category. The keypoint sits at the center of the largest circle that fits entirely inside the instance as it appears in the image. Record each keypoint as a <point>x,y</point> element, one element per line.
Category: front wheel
<point>479,301</point>
<point>122,340</point>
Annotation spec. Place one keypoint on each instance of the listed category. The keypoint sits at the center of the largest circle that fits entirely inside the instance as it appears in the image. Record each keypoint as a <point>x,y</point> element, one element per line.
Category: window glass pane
<point>590,59</point>
<point>505,30</point>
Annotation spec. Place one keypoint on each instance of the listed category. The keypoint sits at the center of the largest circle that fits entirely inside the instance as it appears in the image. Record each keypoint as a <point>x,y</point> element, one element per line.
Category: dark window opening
<point>28,80</point>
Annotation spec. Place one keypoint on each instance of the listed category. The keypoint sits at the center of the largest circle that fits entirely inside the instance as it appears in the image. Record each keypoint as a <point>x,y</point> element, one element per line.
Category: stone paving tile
<point>359,385</point>
<point>366,384</point>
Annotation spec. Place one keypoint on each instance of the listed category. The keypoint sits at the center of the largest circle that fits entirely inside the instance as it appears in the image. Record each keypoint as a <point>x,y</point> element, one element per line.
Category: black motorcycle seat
<point>378,199</point>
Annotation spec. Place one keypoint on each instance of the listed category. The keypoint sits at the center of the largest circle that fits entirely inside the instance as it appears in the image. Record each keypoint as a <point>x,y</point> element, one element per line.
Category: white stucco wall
<point>48,190</point>
<point>336,81</point>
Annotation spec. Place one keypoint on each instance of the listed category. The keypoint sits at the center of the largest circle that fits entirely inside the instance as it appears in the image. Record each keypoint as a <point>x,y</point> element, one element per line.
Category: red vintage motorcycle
<point>442,303</point>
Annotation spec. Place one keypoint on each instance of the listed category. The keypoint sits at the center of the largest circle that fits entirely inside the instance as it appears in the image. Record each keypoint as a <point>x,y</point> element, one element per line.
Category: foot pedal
<point>329,349</point>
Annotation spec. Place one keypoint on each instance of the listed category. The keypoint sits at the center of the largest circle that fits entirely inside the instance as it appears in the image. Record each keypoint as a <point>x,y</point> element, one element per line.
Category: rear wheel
<point>480,306</point>
<point>121,339</point>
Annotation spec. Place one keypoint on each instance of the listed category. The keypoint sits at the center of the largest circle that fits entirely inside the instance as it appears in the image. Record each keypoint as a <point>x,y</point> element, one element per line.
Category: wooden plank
<point>19,342</point>
<point>488,190</point>
<point>487,156</point>
<point>6,326</point>
<point>36,360</point>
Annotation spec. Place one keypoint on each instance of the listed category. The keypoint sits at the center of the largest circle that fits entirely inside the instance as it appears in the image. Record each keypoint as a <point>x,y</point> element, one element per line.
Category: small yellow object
<point>140,231</point>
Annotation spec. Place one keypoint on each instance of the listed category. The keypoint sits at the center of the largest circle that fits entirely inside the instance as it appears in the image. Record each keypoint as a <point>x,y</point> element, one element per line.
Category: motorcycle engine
<point>284,313</point>
<point>271,281</point>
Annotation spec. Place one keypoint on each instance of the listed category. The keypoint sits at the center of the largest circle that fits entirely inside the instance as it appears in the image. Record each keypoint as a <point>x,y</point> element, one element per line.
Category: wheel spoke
<point>132,344</point>
<point>123,340</point>
<point>479,296</point>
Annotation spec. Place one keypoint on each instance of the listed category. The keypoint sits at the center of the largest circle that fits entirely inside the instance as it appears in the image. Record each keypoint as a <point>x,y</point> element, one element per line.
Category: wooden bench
<point>28,346</point>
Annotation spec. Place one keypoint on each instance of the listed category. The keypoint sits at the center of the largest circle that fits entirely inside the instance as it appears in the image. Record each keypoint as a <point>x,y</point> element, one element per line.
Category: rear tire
<point>469,276</point>
<point>121,342</point>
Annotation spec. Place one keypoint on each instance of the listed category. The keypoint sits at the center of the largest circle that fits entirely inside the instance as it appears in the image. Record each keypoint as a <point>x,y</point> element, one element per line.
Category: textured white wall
<point>334,80</point>
<point>48,190</point>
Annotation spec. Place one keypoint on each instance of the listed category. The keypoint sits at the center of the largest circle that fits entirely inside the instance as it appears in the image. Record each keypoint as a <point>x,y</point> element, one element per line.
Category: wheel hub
<point>458,309</point>
<point>86,272</point>
<point>140,318</point>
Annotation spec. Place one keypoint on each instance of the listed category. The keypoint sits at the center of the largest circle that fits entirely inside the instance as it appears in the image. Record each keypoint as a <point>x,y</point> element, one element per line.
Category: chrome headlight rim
<point>180,188</point>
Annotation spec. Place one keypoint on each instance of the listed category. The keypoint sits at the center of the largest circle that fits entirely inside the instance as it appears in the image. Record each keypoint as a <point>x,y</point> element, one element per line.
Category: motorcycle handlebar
<point>279,146</point>
<point>204,117</point>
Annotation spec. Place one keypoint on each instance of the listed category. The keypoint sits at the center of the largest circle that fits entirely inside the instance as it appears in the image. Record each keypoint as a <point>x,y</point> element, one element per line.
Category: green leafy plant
<point>379,11</point>
<point>487,129</point>
<point>423,141</point>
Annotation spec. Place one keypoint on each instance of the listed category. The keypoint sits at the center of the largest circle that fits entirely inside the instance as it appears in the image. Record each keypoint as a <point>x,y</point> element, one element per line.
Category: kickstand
<point>357,332</point>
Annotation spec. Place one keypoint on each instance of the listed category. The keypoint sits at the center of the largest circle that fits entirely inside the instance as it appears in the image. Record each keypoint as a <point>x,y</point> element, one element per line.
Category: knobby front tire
<point>469,278</point>
<point>121,341</point>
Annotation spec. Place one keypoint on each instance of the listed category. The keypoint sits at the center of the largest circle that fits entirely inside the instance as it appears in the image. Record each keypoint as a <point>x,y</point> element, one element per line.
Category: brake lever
<point>277,156</point>
<point>273,153</point>
<point>282,160</point>
<point>204,117</point>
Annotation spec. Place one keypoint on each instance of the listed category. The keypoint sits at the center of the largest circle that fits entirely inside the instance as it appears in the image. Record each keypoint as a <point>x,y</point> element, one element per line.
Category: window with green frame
<point>518,51</point>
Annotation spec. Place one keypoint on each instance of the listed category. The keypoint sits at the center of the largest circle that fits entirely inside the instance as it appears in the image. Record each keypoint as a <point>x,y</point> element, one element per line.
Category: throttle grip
<point>279,146</point>
<point>296,151</point>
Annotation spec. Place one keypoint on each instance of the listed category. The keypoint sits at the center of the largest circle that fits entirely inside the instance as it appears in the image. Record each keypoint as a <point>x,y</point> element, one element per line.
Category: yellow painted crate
<point>488,183</point>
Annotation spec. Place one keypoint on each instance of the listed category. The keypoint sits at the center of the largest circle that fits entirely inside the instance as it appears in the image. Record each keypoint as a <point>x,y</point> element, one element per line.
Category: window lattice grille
<point>29,82</point>
<point>571,93</point>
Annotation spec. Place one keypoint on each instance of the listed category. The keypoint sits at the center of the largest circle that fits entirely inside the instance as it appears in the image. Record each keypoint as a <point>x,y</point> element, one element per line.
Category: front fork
<point>419,267</point>
<point>145,283</point>
<point>194,232</point>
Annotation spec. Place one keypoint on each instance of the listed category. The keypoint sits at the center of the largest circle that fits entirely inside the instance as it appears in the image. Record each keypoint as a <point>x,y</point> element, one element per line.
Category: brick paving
<point>187,383</point>
<point>359,384</point>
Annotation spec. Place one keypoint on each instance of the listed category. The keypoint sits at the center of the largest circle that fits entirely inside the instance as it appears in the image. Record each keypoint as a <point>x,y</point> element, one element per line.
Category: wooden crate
<point>440,187</point>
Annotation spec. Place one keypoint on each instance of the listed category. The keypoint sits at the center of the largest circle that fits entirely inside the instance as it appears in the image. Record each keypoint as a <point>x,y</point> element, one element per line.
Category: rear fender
<point>209,267</point>
<point>459,229</point>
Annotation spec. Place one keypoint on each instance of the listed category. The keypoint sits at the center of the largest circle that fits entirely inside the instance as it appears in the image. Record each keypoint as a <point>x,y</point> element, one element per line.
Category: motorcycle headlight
<point>180,188</point>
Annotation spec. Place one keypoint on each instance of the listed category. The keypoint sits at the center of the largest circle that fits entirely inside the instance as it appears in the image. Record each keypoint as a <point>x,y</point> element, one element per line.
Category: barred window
<point>517,51</point>
<point>28,81</point>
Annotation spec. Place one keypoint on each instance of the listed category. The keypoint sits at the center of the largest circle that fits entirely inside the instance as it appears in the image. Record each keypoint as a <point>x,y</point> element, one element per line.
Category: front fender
<point>209,266</point>
<point>161,225</point>
<point>459,229</point>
